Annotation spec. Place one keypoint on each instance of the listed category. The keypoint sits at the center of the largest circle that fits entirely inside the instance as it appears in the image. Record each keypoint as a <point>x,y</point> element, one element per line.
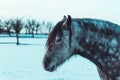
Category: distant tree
<point>32,27</point>
<point>1,26</point>
<point>17,26</point>
<point>49,26</point>
<point>40,29</point>
<point>46,26</point>
<point>43,26</point>
<point>37,25</point>
<point>26,28</point>
<point>7,25</point>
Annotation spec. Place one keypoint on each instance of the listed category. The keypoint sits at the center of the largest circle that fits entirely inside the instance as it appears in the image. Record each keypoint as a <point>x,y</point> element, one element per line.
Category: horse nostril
<point>52,68</point>
<point>48,66</point>
<point>47,62</point>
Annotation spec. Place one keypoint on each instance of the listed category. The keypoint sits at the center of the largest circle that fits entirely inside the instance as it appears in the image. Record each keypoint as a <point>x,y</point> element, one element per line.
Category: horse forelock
<point>56,30</point>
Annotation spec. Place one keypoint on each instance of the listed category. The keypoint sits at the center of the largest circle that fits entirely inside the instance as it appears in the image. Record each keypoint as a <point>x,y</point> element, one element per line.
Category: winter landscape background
<point>24,60</point>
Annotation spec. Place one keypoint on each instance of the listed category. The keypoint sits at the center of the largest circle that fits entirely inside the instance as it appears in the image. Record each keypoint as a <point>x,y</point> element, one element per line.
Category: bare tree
<point>46,26</point>
<point>31,24</point>
<point>26,28</point>
<point>43,26</point>
<point>40,29</point>
<point>1,26</point>
<point>7,25</point>
<point>49,26</point>
<point>17,26</point>
<point>37,25</point>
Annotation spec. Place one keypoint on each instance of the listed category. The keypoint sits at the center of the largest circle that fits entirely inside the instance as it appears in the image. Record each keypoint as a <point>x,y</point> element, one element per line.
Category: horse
<point>95,39</point>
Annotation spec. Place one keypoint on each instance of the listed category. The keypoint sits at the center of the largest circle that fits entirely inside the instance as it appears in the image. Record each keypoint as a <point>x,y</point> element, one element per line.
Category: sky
<point>54,10</point>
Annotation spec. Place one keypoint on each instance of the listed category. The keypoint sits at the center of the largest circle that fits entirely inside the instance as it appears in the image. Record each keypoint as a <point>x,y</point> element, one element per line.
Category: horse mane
<point>52,35</point>
<point>105,27</point>
<point>97,25</point>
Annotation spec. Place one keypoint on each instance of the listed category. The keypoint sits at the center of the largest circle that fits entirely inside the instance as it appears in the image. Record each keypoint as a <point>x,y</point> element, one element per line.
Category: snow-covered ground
<point>24,62</point>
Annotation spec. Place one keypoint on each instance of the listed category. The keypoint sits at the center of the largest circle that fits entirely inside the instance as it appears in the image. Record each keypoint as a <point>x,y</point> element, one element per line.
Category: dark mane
<point>52,35</point>
<point>102,26</point>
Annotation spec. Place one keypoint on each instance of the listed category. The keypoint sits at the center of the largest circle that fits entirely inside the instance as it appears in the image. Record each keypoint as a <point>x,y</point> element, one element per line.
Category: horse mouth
<point>50,69</point>
<point>48,66</point>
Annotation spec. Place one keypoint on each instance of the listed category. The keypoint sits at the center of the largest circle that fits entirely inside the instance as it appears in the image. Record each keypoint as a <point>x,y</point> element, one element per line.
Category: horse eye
<point>58,40</point>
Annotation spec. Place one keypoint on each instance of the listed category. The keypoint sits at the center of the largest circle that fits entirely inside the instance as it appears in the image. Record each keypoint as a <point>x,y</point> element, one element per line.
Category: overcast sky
<point>55,9</point>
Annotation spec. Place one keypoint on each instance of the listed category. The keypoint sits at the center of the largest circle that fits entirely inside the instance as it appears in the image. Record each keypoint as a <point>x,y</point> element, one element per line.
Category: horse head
<point>58,45</point>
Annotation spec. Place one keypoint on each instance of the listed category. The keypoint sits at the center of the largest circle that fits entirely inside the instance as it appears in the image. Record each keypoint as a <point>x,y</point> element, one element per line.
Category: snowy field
<point>24,62</point>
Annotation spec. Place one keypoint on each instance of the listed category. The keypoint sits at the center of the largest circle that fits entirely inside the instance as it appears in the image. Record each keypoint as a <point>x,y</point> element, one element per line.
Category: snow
<point>24,62</point>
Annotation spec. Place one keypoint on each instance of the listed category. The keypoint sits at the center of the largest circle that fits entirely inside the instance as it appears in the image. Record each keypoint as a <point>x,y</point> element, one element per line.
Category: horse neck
<point>87,48</point>
<point>93,45</point>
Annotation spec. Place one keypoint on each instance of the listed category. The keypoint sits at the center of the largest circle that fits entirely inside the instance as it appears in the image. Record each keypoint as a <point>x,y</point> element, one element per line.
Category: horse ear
<point>67,22</point>
<point>64,18</point>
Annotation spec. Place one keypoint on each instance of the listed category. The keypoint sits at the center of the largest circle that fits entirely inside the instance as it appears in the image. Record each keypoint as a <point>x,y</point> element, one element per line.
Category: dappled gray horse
<point>96,40</point>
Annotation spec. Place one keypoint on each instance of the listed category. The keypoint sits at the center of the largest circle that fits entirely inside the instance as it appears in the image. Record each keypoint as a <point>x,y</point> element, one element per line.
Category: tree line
<point>29,26</point>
